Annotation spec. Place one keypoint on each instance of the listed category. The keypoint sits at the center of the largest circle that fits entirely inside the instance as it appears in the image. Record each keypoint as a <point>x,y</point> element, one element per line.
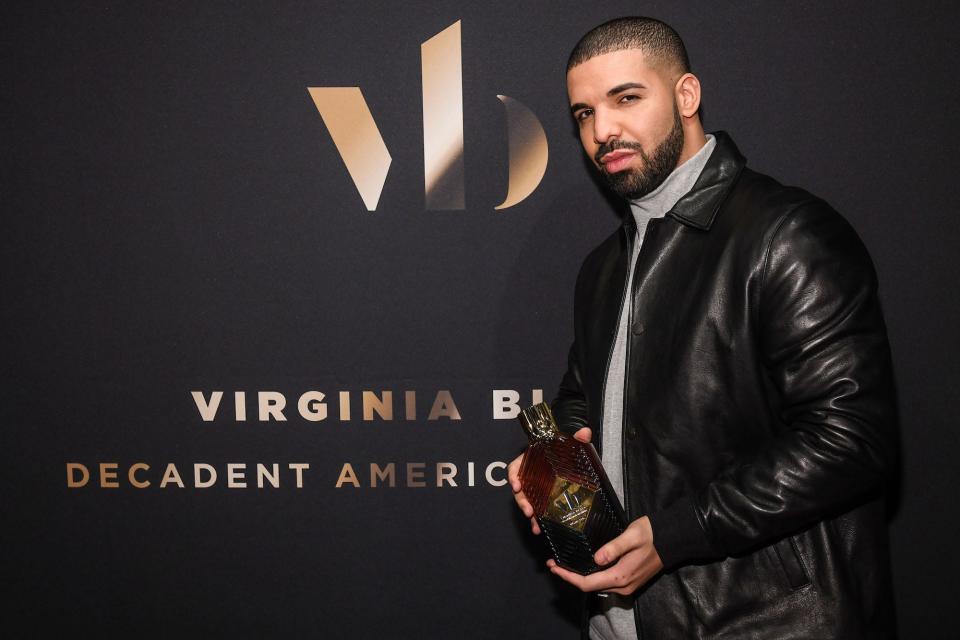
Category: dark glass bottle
<point>571,496</point>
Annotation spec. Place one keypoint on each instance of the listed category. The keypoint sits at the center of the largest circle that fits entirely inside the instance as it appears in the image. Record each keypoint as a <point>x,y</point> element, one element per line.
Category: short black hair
<point>656,39</point>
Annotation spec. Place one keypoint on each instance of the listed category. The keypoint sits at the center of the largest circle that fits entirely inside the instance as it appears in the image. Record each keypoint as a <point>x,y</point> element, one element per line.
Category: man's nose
<point>605,127</point>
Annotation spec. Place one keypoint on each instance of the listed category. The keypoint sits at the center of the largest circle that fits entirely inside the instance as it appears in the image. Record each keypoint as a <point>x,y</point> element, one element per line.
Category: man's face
<point>628,119</point>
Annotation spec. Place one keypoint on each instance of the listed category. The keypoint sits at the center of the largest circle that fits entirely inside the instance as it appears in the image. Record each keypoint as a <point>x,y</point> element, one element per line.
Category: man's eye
<point>629,98</point>
<point>583,115</point>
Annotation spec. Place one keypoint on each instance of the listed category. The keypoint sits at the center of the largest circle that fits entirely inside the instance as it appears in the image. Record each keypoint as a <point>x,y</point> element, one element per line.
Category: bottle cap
<point>538,422</point>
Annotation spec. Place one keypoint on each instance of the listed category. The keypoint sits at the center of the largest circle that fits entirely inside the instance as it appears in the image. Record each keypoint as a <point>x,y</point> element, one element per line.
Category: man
<point>731,358</point>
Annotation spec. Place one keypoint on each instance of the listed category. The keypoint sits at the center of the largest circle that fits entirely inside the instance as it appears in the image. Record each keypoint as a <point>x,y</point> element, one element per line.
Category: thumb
<point>584,434</point>
<point>608,553</point>
<point>631,538</point>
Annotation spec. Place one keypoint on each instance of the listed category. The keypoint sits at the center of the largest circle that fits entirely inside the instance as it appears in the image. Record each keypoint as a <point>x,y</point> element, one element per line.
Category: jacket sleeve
<point>570,405</point>
<point>826,355</point>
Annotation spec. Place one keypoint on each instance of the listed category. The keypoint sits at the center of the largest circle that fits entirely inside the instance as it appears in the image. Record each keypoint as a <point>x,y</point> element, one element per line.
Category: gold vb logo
<point>357,138</point>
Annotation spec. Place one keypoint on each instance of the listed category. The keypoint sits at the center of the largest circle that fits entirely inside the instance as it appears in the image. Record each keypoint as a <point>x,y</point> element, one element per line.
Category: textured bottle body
<point>572,500</point>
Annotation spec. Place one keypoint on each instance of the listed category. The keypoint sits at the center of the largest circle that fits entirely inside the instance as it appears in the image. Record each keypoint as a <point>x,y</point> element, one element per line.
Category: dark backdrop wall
<point>177,218</point>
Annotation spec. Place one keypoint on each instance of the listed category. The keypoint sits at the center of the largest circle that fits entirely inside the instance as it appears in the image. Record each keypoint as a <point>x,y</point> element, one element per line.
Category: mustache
<point>607,147</point>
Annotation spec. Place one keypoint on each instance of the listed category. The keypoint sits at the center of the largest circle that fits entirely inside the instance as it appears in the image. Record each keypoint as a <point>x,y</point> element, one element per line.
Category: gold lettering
<point>382,405</point>
<point>443,120</point>
<point>171,474</point>
<point>347,475</point>
<point>415,474</point>
<point>312,407</point>
<point>446,471</point>
<point>108,475</point>
<point>410,400</point>
<point>356,137</point>
<point>443,405</point>
<point>72,481</point>
<point>132,477</point>
<point>387,473</point>
<point>527,152</point>
<point>345,406</point>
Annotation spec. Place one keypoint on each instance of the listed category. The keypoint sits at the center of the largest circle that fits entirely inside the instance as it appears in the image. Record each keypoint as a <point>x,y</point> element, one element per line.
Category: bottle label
<point>569,503</point>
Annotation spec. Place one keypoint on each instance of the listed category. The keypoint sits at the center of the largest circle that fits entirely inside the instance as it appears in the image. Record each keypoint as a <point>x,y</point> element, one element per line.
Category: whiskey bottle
<point>573,502</point>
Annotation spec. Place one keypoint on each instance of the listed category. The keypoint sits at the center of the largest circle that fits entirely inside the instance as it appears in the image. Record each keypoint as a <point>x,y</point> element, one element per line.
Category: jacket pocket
<point>791,564</point>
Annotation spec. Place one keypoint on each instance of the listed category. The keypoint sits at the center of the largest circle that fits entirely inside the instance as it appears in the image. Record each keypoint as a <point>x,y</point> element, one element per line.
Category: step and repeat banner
<point>277,278</point>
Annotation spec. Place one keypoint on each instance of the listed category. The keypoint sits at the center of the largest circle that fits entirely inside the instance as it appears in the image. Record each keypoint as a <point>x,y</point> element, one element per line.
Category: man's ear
<point>687,95</point>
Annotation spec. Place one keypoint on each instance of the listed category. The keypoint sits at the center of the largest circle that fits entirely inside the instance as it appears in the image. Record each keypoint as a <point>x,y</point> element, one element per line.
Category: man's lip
<point>614,155</point>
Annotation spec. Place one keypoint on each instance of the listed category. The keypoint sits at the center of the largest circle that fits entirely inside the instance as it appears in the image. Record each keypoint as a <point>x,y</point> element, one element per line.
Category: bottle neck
<point>538,423</point>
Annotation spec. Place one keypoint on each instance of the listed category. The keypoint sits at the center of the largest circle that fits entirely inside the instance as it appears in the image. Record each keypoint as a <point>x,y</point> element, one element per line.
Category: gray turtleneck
<point>615,622</point>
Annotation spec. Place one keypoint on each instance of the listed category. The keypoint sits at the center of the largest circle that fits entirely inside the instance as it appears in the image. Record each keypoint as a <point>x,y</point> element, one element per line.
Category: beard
<point>636,183</point>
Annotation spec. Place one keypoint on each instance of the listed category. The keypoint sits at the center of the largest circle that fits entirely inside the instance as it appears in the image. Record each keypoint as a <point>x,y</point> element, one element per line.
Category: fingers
<point>627,541</point>
<point>584,434</point>
<point>534,526</point>
<point>527,510</point>
<point>608,553</point>
<point>524,504</point>
<point>630,560</point>
<point>633,537</point>
<point>623,577</point>
<point>600,581</point>
<point>513,476</point>
<point>513,473</point>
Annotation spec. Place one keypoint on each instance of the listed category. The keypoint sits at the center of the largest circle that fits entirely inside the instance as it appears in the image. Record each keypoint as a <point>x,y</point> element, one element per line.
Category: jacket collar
<point>700,205</point>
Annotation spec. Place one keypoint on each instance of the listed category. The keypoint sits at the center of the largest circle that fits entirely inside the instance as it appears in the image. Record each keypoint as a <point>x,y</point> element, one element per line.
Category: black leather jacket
<point>759,410</point>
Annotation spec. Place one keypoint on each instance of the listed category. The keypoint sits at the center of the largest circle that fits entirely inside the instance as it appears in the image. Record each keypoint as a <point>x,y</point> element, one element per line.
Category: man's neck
<point>659,201</point>
<point>693,140</point>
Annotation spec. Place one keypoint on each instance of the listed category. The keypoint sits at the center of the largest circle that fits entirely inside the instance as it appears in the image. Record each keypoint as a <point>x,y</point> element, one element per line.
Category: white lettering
<point>236,475</point>
<point>171,474</point>
<point>208,410</point>
<point>446,472</point>
<point>271,404</point>
<point>506,404</point>
<point>240,405</point>
<point>272,477</point>
<point>489,473</point>
<point>299,468</point>
<point>198,481</point>
<point>312,407</point>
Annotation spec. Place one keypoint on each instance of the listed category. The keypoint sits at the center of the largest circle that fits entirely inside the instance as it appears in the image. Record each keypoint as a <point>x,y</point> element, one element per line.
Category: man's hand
<point>636,562</point>
<point>513,475</point>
